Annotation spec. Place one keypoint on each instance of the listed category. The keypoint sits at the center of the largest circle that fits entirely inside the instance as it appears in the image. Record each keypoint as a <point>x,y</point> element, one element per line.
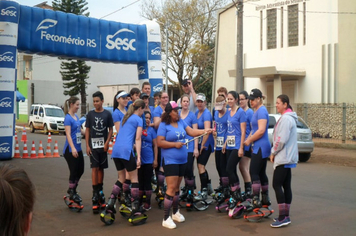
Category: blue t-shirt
<point>74,133</point>
<point>221,128</point>
<point>173,134</point>
<point>249,114</point>
<point>117,115</point>
<point>157,112</point>
<point>125,139</point>
<point>262,143</point>
<point>190,119</point>
<point>147,153</point>
<point>206,116</point>
<point>234,129</point>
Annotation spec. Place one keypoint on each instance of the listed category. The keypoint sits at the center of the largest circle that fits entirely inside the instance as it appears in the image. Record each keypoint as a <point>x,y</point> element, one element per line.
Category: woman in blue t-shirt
<point>235,136</point>
<point>124,156</point>
<point>148,161</point>
<point>261,148</point>
<point>121,100</point>
<point>192,148</point>
<point>220,118</point>
<point>244,164</point>
<point>72,148</point>
<point>206,146</point>
<point>171,138</point>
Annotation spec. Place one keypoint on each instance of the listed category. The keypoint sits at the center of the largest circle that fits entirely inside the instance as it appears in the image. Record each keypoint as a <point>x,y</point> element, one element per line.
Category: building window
<point>261,30</point>
<point>282,27</point>
<point>304,23</point>
<point>271,28</point>
<point>293,25</point>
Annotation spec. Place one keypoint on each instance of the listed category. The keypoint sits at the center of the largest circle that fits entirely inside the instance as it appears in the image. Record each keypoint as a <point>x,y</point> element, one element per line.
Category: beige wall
<point>347,53</point>
<point>225,56</point>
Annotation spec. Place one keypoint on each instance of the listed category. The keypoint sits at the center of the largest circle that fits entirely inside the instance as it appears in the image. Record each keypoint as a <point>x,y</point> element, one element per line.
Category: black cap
<point>185,82</point>
<point>255,93</point>
<point>144,95</point>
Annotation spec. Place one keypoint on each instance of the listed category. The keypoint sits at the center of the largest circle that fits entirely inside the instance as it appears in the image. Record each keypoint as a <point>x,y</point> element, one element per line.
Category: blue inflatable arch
<point>42,31</point>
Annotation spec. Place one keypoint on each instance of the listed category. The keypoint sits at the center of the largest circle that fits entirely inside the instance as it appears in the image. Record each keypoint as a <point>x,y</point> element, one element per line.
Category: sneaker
<point>178,217</point>
<point>202,196</point>
<point>169,223</point>
<point>278,224</point>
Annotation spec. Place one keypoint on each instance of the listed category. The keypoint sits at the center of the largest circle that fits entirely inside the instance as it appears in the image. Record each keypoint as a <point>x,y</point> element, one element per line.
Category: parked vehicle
<point>47,118</point>
<point>305,141</point>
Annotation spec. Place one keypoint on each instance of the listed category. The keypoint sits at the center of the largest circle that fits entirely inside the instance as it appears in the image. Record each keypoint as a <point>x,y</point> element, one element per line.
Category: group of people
<point>161,137</point>
<point>157,135</point>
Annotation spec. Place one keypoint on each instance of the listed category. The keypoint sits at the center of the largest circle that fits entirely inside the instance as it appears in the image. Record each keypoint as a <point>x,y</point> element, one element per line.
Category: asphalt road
<point>323,203</point>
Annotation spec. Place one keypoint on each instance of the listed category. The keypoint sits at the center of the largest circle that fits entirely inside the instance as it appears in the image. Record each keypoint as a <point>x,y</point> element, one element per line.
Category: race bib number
<point>219,142</point>
<point>79,138</point>
<point>97,142</point>
<point>231,141</point>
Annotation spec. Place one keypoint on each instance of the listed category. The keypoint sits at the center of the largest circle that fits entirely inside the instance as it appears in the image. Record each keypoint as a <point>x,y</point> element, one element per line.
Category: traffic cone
<point>49,139</point>
<point>25,151</point>
<point>49,150</point>
<point>110,147</point>
<point>24,135</point>
<point>17,150</point>
<point>55,151</point>
<point>15,135</point>
<point>40,151</point>
<point>33,151</point>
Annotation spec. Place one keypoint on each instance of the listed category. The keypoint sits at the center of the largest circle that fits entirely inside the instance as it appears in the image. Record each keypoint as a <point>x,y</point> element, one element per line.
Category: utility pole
<point>166,58</point>
<point>239,47</point>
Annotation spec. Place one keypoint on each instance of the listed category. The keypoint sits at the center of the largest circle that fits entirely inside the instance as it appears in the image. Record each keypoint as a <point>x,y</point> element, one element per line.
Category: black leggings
<point>189,172</point>
<point>232,161</point>
<point>282,178</point>
<point>75,165</point>
<point>221,163</point>
<point>258,168</point>
<point>145,173</point>
<point>204,156</point>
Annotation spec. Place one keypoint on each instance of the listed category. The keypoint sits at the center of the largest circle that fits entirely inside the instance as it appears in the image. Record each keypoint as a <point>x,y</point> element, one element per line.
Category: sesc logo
<point>9,11</point>
<point>5,148</point>
<point>141,70</point>
<point>5,102</point>
<point>46,23</point>
<point>158,87</point>
<point>7,57</point>
<point>120,43</point>
<point>156,51</point>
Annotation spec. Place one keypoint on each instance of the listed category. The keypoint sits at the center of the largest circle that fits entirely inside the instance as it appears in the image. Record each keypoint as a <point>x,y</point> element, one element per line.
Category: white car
<point>48,118</point>
<point>304,139</point>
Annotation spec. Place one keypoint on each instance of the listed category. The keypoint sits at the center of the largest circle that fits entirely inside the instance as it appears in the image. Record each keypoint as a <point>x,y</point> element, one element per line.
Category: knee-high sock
<point>168,201</point>
<point>175,202</point>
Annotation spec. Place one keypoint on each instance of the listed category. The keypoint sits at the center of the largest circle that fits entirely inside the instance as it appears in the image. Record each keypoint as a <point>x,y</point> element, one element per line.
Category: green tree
<point>74,72</point>
<point>191,26</point>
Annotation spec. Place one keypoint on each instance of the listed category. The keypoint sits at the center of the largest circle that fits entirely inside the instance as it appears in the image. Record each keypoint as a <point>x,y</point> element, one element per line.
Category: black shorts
<point>204,156</point>
<point>129,165</point>
<point>248,153</point>
<point>98,158</point>
<point>174,169</point>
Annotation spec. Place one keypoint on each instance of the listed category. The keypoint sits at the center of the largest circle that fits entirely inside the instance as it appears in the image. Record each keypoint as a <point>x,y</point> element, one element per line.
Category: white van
<point>46,118</point>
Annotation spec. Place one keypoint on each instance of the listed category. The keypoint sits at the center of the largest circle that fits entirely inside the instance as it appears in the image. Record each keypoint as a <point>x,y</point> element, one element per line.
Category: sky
<point>129,10</point>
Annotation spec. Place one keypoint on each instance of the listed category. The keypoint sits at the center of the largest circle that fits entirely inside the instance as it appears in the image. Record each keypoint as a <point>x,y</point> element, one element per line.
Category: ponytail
<point>132,108</point>
<point>71,100</point>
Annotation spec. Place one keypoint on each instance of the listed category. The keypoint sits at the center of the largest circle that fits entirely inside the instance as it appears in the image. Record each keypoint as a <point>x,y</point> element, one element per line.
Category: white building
<point>303,48</point>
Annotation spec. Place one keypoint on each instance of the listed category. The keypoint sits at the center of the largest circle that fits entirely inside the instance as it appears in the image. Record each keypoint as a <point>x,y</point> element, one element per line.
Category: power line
<point>119,9</point>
